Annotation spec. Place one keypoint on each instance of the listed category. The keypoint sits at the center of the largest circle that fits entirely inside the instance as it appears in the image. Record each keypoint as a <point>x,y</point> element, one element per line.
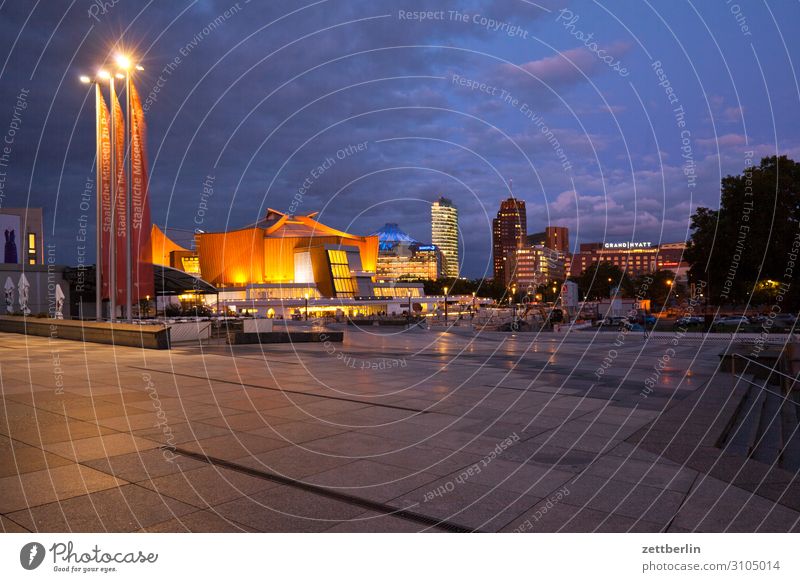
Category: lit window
<point>343,283</point>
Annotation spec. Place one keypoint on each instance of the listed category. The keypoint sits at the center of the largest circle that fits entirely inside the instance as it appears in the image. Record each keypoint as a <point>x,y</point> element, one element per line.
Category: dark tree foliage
<point>752,241</point>
<point>600,280</point>
<point>658,286</point>
<point>481,287</point>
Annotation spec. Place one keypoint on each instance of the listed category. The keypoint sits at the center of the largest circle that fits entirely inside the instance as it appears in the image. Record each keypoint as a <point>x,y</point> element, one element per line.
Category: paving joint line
<point>324,491</point>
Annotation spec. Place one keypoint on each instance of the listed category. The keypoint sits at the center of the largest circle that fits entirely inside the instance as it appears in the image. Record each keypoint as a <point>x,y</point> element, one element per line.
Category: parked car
<point>732,320</point>
<point>784,320</point>
<point>611,321</point>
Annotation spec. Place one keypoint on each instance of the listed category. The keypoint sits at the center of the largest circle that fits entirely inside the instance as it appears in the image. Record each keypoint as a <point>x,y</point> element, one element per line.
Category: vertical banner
<point>141,251</point>
<point>120,204</point>
<point>104,161</point>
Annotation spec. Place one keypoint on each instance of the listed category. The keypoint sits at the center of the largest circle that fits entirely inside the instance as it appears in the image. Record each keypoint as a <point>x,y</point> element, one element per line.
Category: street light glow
<point>123,62</point>
<point>103,74</point>
<point>85,79</point>
<point>139,68</point>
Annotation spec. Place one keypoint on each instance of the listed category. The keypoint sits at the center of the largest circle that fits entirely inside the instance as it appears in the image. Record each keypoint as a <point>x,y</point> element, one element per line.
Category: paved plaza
<point>389,431</point>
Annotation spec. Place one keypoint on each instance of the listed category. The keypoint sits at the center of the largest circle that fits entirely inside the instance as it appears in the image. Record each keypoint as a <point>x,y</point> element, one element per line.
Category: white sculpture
<point>9,287</point>
<point>59,303</point>
<point>23,288</point>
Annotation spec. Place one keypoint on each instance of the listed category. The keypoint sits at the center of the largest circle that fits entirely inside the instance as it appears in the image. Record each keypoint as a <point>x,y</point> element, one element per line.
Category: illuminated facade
<point>400,257</point>
<point>635,258</point>
<point>295,254</point>
<point>537,265</point>
<point>444,234</point>
<point>23,242</point>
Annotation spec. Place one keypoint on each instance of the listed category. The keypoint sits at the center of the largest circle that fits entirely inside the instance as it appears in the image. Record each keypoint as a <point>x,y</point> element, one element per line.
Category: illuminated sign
<point>627,245</point>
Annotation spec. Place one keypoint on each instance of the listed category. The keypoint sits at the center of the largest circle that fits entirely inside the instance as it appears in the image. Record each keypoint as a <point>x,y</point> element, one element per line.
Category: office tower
<point>557,238</point>
<point>444,233</point>
<point>509,233</point>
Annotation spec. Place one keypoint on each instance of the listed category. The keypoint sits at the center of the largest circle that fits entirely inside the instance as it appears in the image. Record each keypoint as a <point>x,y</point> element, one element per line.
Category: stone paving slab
<point>283,438</point>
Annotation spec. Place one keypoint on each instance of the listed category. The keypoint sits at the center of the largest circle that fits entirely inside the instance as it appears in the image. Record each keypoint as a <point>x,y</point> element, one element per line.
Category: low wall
<point>153,337</point>
<point>285,337</point>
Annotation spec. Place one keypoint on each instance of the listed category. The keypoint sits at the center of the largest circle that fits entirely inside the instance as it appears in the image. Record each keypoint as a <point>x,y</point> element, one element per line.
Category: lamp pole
<point>126,66</point>
<point>112,239</point>
<point>128,199</point>
<point>408,313</point>
<point>306,313</point>
<point>445,305</point>
<point>98,292</point>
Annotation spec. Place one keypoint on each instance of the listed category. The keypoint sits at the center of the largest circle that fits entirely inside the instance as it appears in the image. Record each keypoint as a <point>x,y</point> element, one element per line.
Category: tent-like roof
<point>389,235</point>
<point>171,281</point>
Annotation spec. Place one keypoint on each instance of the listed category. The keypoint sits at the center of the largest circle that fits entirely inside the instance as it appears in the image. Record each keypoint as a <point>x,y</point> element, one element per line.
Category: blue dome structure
<point>390,235</point>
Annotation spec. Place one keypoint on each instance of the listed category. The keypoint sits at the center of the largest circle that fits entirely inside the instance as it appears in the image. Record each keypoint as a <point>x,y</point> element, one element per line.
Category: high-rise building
<point>509,233</point>
<point>444,233</point>
<point>536,265</point>
<point>552,237</point>
<point>557,238</point>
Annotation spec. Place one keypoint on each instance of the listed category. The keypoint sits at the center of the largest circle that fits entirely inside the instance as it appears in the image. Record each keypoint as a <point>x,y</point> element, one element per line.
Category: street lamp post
<point>445,305</point>
<point>98,294</point>
<point>106,76</point>
<point>125,65</point>
<point>306,313</point>
<point>408,313</point>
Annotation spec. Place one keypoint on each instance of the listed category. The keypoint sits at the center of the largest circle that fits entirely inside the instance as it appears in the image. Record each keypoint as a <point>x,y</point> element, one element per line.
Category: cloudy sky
<point>615,119</point>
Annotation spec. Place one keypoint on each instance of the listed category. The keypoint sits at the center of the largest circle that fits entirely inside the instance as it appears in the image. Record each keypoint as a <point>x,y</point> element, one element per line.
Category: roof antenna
<point>511,186</point>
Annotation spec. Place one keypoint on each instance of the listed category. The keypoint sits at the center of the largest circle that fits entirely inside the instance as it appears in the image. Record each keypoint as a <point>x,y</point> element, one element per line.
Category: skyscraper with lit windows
<point>509,234</point>
<point>444,233</point>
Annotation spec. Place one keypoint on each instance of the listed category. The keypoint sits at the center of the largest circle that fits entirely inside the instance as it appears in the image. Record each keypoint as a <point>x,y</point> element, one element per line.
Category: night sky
<point>253,97</point>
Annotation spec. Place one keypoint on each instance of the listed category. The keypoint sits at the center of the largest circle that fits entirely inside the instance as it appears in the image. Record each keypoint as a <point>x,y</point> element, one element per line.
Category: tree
<point>752,238</point>
<point>655,286</point>
<point>481,287</point>
<point>600,280</point>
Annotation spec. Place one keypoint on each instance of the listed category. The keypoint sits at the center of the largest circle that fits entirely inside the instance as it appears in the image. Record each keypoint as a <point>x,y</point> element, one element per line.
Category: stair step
<point>769,443</point>
<point>790,459</point>
<point>743,433</point>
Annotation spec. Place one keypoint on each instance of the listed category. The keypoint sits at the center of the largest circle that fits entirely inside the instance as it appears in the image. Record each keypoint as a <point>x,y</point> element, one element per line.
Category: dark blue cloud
<point>259,94</point>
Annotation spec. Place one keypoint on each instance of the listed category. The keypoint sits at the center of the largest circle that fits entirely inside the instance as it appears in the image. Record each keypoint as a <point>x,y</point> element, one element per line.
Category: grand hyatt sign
<point>628,245</point>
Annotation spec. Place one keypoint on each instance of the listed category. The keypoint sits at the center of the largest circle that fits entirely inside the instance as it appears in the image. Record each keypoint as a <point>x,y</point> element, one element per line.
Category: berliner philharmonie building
<point>288,264</point>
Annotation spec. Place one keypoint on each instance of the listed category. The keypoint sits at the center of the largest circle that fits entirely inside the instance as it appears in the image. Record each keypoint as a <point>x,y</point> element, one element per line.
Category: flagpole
<point>98,295</point>
<point>128,198</point>
<point>112,242</point>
